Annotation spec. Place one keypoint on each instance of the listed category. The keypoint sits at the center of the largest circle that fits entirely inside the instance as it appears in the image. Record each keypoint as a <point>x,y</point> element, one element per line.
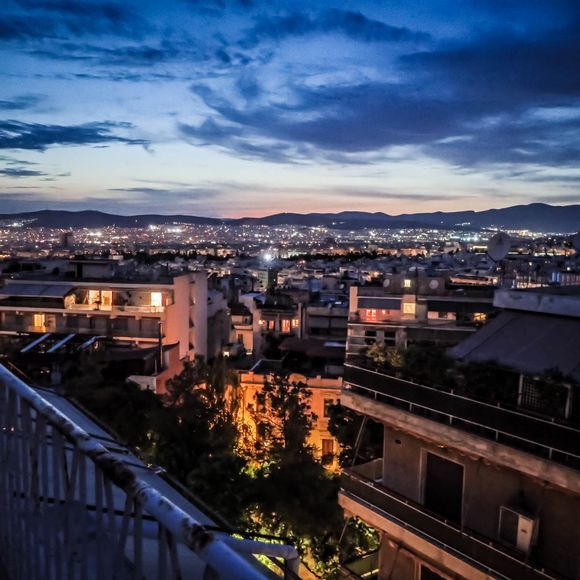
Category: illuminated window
<point>94,296</point>
<point>407,283</point>
<point>480,316</point>
<point>285,326</point>
<point>261,322</point>
<point>271,325</point>
<point>371,314</point>
<point>106,298</point>
<point>409,308</point>
<point>39,320</point>
<point>295,323</point>
<point>156,299</point>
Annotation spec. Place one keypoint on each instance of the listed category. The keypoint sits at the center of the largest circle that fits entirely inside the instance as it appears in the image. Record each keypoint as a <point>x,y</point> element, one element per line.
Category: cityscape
<point>289,290</point>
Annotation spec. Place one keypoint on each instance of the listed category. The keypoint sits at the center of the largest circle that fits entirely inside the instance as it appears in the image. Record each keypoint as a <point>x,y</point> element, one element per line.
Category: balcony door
<point>443,487</point>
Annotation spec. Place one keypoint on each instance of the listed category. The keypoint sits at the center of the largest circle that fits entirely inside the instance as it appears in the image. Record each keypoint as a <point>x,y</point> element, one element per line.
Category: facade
<point>407,309</point>
<point>466,486</point>
<point>139,311</point>
<point>325,392</point>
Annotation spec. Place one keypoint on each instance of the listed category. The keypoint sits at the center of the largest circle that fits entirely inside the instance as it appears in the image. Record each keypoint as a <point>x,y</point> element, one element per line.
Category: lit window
<point>407,283</point>
<point>271,325</point>
<point>295,323</point>
<point>480,316</point>
<point>156,299</point>
<point>409,308</point>
<point>261,322</point>
<point>285,326</point>
<point>39,320</point>
<point>371,314</point>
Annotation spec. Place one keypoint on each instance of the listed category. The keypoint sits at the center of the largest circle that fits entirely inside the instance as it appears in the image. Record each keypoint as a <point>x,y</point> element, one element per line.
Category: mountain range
<point>535,216</point>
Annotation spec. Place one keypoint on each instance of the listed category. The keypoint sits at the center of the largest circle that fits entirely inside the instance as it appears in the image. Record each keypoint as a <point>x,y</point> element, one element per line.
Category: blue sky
<point>250,107</point>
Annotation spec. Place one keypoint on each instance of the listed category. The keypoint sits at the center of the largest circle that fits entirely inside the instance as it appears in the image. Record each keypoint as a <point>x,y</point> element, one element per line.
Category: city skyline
<point>238,107</point>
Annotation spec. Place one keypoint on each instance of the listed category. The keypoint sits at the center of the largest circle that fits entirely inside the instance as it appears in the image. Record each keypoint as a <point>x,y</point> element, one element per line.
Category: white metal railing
<point>71,508</point>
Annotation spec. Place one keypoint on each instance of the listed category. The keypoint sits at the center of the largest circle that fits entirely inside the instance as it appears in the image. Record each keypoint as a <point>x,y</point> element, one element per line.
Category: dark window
<point>443,491</point>
<point>260,402</point>
<point>327,404</point>
<point>508,526</point>
<point>428,574</point>
<point>544,397</point>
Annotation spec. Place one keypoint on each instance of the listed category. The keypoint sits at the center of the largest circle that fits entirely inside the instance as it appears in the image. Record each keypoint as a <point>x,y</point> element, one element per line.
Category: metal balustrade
<point>542,437</point>
<point>80,506</point>
<point>464,544</point>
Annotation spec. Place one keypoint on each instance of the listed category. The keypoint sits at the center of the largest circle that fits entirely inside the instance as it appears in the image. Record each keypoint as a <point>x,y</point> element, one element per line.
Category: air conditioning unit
<point>517,528</point>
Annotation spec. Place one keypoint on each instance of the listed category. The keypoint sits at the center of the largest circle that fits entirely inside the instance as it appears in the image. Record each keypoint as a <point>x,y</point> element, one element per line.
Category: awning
<point>35,290</point>
<point>378,302</point>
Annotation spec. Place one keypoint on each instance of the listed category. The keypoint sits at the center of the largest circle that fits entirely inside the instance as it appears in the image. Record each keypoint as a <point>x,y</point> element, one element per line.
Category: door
<point>443,487</point>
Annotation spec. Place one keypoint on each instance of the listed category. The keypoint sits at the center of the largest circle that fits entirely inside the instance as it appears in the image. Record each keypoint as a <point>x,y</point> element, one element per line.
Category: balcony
<point>476,551</point>
<point>77,504</point>
<point>539,436</point>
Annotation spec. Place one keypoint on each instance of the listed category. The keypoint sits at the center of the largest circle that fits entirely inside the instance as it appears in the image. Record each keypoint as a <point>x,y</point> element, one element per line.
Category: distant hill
<point>535,216</point>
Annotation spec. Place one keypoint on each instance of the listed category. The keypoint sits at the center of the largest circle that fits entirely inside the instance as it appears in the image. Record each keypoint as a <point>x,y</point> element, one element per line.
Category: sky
<point>252,107</point>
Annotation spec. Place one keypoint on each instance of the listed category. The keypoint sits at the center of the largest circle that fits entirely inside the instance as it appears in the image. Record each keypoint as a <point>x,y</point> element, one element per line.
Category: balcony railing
<point>543,437</point>
<point>481,553</point>
<point>77,505</point>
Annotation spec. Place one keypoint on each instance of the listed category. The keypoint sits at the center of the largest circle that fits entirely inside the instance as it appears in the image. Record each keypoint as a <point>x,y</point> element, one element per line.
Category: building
<point>132,308</point>
<point>417,307</point>
<point>481,480</point>
<point>325,391</point>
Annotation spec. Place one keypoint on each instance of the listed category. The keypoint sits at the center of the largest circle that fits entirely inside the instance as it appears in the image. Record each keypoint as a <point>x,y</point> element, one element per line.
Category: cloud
<point>349,23</point>
<point>17,172</point>
<point>21,102</point>
<point>60,18</point>
<point>35,136</point>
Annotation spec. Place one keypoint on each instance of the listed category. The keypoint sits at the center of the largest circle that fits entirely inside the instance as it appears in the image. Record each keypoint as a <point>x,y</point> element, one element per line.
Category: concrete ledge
<point>477,447</point>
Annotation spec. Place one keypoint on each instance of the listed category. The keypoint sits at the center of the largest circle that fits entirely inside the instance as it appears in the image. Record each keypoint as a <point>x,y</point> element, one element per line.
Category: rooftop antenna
<point>498,247</point>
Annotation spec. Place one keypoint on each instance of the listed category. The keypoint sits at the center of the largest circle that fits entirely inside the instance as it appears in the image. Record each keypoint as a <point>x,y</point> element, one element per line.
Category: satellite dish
<point>434,284</point>
<point>498,246</point>
<point>575,239</point>
<point>386,283</point>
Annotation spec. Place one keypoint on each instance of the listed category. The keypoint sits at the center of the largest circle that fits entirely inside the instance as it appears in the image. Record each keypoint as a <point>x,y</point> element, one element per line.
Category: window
<point>260,402</point>
<point>429,574</point>
<point>543,396</point>
<point>407,283</point>
<point>409,308</point>
<point>156,299</point>
<point>271,324</point>
<point>443,315</point>
<point>371,314</point>
<point>479,316</point>
<point>327,404</point>
<point>327,447</point>
<point>295,323</point>
<point>38,320</point>
<point>107,298</point>
<point>285,325</point>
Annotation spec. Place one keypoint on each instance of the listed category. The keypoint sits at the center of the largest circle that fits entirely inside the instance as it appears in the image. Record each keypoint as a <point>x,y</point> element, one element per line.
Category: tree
<point>196,436</point>
<point>295,495</point>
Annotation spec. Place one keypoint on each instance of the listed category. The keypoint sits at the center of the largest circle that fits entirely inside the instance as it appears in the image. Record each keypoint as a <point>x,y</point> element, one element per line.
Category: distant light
<point>268,257</point>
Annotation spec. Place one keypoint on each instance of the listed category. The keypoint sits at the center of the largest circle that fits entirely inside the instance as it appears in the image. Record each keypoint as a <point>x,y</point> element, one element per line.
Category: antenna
<point>499,245</point>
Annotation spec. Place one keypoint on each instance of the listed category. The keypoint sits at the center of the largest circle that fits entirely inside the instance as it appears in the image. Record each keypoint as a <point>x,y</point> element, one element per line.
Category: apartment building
<point>482,479</point>
<point>415,307</point>
<point>95,298</point>
<point>325,391</point>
